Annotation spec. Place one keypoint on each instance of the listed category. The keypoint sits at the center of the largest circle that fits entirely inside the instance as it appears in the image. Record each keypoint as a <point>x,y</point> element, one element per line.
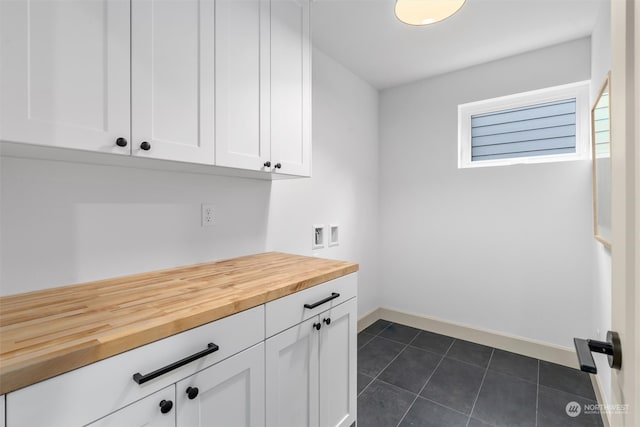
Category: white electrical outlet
<point>208,215</point>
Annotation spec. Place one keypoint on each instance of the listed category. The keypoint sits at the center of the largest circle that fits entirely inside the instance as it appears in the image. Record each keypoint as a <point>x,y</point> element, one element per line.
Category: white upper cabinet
<point>65,73</point>
<point>172,83</point>
<point>242,85</point>
<point>214,82</point>
<point>290,87</point>
<point>263,85</point>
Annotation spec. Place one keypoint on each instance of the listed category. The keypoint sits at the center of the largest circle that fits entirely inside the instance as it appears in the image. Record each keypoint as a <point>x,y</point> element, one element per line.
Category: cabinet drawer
<point>93,391</point>
<point>145,412</point>
<point>290,310</point>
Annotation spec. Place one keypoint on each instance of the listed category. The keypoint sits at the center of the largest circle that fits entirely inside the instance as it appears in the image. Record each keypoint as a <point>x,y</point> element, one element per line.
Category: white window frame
<point>578,90</point>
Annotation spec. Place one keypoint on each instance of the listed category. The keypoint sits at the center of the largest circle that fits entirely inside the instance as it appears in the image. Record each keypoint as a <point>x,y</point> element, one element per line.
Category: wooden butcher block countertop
<point>49,332</point>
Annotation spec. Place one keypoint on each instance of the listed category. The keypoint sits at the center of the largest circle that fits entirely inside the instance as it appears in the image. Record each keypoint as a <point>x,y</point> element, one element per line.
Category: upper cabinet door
<point>291,87</point>
<point>242,84</point>
<point>65,73</point>
<point>173,79</point>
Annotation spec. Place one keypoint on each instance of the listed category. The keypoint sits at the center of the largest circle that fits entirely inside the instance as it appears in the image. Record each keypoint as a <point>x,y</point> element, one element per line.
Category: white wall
<point>508,249</point>
<point>64,223</point>
<point>344,186</point>
<point>600,65</point>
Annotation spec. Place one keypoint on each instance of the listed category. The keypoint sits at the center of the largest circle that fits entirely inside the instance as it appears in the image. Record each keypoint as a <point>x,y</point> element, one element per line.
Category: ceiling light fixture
<point>425,12</point>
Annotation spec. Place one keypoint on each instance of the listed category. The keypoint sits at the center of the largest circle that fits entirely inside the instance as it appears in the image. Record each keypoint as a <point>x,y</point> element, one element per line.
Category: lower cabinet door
<point>229,394</point>
<point>338,337</point>
<point>292,376</point>
<point>157,410</point>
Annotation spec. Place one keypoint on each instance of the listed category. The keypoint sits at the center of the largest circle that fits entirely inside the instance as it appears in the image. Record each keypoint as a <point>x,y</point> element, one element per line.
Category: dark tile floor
<point>410,377</point>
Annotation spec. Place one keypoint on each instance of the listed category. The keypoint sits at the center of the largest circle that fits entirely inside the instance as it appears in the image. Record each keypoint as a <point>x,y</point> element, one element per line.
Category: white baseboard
<point>368,319</point>
<point>597,387</point>
<point>540,350</point>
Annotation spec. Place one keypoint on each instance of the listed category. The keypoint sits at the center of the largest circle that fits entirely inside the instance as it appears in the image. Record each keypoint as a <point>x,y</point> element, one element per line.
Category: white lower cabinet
<point>156,410</point>
<point>92,392</point>
<point>311,371</point>
<point>337,364</point>
<point>302,375</point>
<point>230,393</point>
<point>292,377</point>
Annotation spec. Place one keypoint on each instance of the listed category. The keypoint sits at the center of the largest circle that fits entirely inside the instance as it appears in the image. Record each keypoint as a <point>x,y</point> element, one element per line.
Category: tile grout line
<point>365,387</point>
<point>422,397</point>
<point>384,329</point>
<point>481,384</point>
<point>392,360</point>
<point>371,339</point>
<point>374,378</point>
<point>537,392</point>
<point>426,382</point>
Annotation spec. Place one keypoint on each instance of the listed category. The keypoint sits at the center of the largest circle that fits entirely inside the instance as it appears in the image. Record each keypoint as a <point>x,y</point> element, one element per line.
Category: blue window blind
<point>534,130</point>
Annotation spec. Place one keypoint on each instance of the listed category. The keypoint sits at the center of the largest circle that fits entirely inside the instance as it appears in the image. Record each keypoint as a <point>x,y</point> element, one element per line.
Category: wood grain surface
<point>49,332</point>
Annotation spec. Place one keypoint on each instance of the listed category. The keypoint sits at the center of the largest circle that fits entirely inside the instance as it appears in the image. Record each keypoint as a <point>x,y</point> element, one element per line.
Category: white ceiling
<point>366,37</point>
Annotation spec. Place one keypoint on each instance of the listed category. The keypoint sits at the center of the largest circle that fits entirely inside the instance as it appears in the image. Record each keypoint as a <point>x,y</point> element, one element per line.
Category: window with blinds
<point>537,130</point>
<point>532,127</point>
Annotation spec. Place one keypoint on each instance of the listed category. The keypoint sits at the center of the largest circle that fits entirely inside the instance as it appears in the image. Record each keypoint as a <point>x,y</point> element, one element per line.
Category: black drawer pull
<point>141,379</point>
<point>334,295</point>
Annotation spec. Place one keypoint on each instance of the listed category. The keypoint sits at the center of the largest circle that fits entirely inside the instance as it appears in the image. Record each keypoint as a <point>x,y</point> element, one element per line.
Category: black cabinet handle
<point>278,166</point>
<point>334,295</point>
<point>317,326</point>
<point>141,379</point>
<point>145,146</point>
<point>327,321</point>
<point>166,406</point>
<point>121,142</point>
<point>267,164</point>
<point>192,392</point>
